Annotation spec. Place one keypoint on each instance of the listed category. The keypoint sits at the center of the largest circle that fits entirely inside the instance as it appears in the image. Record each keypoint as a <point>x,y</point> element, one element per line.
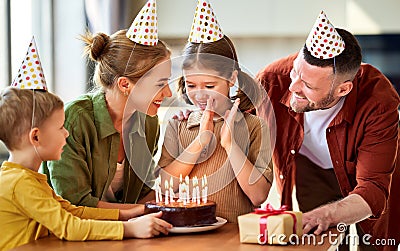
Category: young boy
<point>29,208</point>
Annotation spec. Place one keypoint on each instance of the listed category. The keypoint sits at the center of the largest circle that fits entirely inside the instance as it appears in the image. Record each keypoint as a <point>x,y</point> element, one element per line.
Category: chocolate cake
<point>179,215</point>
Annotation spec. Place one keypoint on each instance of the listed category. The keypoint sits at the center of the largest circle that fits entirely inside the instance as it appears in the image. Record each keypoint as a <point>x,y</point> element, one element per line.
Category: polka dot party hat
<point>205,28</point>
<point>30,74</point>
<point>324,41</point>
<point>144,28</point>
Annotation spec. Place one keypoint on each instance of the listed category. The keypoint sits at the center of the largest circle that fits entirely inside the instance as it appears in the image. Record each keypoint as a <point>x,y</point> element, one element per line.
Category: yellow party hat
<point>205,28</point>
<point>144,28</point>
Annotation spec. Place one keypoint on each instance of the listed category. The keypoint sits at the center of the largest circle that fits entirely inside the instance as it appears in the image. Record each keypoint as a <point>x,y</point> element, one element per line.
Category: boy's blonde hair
<point>16,107</point>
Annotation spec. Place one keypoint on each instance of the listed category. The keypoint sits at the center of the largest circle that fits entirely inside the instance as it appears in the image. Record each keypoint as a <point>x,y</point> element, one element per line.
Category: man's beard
<point>329,99</point>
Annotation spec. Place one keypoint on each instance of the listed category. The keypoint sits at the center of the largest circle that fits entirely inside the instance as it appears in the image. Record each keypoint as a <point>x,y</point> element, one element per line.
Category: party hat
<point>144,28</point>
<point>324,41</point>
<point>30,74</point>
<point>205,28</point>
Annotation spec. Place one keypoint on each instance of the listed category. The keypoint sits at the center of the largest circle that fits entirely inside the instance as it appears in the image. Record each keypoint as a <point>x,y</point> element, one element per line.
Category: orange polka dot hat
<point>324,41</point>
<point>144,27</point>
<point>30,74</point>
<point>205,28</point>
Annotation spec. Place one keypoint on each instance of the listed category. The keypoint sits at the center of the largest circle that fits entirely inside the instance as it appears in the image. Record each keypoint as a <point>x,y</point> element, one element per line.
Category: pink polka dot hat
<point>30,74</point>
<point>205,28</point>
<point>324,41</point>
<point>144,27</point>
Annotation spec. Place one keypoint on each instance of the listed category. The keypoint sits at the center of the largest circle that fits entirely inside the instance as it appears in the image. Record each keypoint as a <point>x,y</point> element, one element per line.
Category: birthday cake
<point>188,215</point>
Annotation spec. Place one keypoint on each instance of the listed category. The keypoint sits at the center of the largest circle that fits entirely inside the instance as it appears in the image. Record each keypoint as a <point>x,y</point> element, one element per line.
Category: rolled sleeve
<point>376,160</point>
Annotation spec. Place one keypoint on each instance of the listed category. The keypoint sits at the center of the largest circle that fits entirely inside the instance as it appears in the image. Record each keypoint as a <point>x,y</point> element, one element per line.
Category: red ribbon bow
<point>270,211</point>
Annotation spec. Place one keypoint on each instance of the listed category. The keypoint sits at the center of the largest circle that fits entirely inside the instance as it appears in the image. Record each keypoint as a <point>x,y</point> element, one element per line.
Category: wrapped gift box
<point>277,225</point>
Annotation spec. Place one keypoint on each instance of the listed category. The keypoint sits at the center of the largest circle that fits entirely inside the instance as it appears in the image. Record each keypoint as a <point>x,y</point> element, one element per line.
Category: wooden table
<point>223,238</point>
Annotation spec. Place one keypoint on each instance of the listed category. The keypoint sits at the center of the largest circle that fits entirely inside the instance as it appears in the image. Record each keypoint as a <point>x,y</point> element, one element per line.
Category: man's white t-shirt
<point>315,146</point>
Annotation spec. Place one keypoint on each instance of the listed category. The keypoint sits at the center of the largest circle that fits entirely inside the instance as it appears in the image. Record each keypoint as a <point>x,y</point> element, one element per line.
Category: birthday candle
<point>159,189</point>
<point>187,189</point>
<point>166,192</point>
<point>206,188</point>
<point>156,190</point>
<point>180,188</point>
<point>198,194</point>
<point>171,190</point>
<point>194,189</point>
<point>183,194</point>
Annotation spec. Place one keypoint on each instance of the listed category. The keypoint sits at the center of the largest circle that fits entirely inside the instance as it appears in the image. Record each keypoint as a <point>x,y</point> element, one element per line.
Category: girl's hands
<point>206,124</point>
<point>228,127</point>
<point>146,226</point>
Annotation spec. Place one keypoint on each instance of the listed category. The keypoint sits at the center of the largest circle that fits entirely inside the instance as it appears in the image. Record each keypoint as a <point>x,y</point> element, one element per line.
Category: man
<point>337,125</point>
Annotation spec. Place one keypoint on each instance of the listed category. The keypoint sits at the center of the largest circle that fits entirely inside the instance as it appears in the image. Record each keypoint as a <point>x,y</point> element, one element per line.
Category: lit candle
<point>198,193</point>
<point>183,194</point>
<point>187,190</point>
<point>204,188</point>
<point>180,188</point>
<point>156,189</point>
<point>159,189</point>
<point>171,190</point>
<point>166,192</point>
<point>194,184</point>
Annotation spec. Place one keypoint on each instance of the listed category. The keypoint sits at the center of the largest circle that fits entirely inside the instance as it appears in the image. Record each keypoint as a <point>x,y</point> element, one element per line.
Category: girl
<point>230,147</point>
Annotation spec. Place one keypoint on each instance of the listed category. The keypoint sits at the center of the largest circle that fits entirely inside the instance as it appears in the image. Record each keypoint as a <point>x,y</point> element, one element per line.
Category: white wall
<point>69,64</point>
<point>259,18</point>
<point>265,30</point>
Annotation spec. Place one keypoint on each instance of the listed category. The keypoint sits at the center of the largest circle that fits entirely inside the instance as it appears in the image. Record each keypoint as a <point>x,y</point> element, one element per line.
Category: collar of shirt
<point>103,121</point>
<point>12,165</point>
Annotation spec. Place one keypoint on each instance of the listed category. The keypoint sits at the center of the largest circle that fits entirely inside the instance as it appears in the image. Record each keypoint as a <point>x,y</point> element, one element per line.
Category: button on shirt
<point>315,146</point>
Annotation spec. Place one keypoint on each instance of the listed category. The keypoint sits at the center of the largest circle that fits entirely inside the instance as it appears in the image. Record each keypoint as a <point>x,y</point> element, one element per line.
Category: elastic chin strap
<point>334,65</point>
<point>33,120</point>
<point>37,153</point>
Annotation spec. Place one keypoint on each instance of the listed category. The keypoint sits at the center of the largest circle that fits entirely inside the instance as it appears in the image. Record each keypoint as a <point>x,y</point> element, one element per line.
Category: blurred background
<point>262,30</point>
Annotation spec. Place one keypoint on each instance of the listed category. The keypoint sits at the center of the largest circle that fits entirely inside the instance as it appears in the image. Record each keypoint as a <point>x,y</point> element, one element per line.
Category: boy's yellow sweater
<point>30,209</point>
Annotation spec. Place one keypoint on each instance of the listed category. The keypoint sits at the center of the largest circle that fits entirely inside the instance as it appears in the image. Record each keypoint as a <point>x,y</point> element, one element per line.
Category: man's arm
<point>349,210</point>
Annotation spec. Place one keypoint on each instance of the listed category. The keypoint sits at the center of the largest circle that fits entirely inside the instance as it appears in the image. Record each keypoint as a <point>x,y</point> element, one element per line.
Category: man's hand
<point>320,218</point>
<point>351,209</point>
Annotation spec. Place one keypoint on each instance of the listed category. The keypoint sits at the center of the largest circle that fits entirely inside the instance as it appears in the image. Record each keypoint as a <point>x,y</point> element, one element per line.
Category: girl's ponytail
<point>249,92</point>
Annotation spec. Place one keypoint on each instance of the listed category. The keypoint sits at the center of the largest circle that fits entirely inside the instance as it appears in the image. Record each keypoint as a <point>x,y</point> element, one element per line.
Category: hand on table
<point>349,210</point>
<point>319,218</point>
<point>146,226</point>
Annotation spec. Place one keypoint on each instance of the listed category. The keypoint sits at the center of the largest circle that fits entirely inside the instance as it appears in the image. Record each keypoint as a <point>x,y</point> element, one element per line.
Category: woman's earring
<point>126,93</point>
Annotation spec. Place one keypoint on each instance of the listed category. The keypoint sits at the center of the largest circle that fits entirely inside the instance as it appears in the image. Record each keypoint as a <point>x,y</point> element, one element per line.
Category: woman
<point>95,168</point>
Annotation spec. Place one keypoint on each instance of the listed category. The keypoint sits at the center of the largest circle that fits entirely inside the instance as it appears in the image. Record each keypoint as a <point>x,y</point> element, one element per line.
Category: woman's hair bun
<point>99,43</point>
